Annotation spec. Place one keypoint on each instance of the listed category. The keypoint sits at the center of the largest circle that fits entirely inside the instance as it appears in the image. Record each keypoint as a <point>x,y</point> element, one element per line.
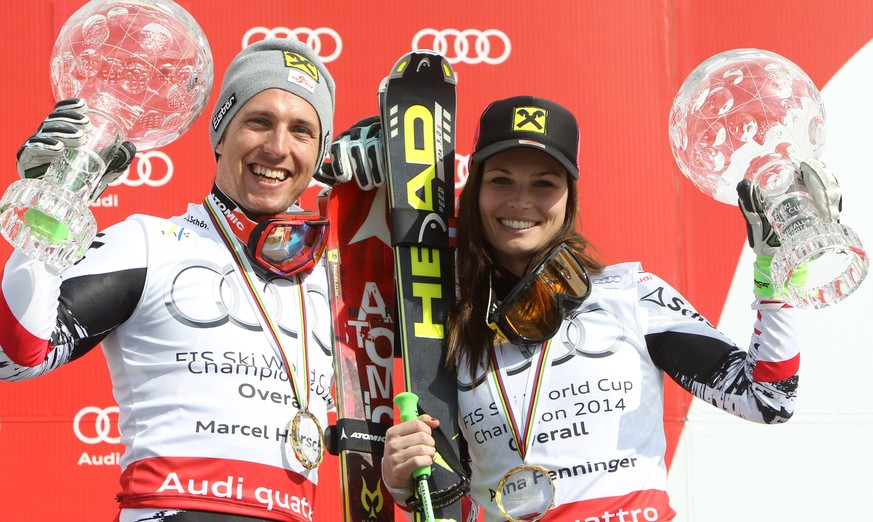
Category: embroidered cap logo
<point>529,119</point>
<point>302,63</point>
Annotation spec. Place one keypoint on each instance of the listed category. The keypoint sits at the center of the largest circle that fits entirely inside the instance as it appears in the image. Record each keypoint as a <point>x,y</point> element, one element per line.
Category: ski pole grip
<point>407,403</point>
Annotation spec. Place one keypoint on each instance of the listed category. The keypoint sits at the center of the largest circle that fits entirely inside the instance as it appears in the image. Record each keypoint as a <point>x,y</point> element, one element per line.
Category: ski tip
<point>423,60</point>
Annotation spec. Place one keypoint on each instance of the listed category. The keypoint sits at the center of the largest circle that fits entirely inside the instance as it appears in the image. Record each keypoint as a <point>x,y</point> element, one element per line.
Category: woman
<point>560,359</point>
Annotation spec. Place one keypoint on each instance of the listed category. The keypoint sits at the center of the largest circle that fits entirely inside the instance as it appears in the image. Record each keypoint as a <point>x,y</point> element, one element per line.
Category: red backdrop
<point>616,64</point>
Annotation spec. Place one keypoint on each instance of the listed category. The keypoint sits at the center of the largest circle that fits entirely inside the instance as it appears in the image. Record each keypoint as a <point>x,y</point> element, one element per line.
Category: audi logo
<point>313,38</point>
<point>143,172</point>
<point>226,301</point>
<point>93,425</point>
<point>472,46</point>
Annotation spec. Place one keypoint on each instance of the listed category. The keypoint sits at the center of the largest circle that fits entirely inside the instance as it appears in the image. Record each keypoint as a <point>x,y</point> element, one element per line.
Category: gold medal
<point>307,439</point>
<point>525,494</point>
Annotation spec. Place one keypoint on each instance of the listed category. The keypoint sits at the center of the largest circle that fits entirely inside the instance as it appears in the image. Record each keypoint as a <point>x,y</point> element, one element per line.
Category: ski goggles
<point>534,310</point>
<point>289,243</point>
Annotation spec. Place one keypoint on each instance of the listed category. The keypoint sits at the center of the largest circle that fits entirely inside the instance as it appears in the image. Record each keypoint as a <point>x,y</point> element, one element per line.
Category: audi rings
<point>311,37</point>
<point>102,428</point>
<point>144,170</point>
<point>227,302</point>
<point>468,46</point>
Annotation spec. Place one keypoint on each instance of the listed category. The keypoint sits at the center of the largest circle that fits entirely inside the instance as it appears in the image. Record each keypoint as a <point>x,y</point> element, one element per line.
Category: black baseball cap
<point>526,121</point>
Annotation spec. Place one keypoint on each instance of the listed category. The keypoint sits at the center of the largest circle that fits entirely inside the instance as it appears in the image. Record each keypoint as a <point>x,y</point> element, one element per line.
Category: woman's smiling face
<point>523,204</point>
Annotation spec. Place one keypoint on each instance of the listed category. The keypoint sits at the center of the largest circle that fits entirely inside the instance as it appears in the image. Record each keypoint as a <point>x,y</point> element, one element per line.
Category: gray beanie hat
<point>276,63</point>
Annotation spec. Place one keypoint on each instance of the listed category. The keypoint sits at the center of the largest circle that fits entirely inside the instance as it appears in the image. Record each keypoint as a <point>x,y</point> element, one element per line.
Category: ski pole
<point>407,403</point>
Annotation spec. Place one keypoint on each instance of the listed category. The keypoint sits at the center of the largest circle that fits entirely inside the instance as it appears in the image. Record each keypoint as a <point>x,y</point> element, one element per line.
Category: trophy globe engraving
<point>752,114</point>
<point>145,69</point>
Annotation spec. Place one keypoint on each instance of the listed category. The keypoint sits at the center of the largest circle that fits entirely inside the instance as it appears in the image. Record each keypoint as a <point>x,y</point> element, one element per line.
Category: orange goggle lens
<point>534,310</point>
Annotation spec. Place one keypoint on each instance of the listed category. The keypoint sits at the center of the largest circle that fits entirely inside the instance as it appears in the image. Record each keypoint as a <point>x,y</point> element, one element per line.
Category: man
<point>213,322</point>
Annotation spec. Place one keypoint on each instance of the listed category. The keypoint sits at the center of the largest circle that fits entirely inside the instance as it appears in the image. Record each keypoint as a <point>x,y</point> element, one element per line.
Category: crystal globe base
<point>835,262</point>
<point>46,222</point>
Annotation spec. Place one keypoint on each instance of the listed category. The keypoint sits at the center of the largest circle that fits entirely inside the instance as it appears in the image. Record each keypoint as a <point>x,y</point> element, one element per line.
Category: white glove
<point>823,188</point>
<point>67,127</point>
<point>358,154</point>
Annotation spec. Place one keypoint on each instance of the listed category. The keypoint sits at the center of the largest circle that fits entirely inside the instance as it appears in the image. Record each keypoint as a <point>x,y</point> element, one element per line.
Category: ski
<point>358,253</point>
<point>417,109</point>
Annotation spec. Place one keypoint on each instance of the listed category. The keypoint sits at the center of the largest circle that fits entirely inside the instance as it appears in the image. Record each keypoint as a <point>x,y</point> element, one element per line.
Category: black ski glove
<point>67,127</point>
<point>357,153</point>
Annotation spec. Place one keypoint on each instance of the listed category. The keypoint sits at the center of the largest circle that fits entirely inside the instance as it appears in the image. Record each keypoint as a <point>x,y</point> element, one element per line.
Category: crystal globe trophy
<point>145,69</point>
<point>752,114</point>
